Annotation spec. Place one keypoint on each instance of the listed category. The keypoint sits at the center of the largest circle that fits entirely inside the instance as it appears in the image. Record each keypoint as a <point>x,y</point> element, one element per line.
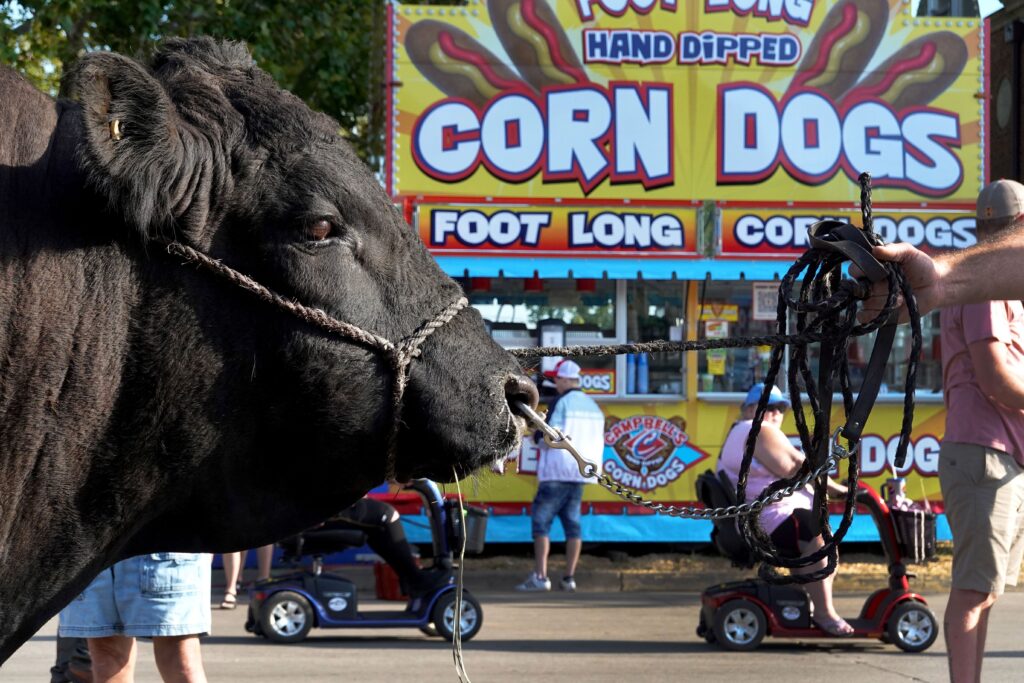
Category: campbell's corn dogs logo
<point>646,452</point>
<point>834,116</point>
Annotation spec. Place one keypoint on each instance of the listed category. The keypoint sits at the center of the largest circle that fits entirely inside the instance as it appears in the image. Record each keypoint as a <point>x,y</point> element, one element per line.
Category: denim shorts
<point>561,498</point>
<point>161,594</point>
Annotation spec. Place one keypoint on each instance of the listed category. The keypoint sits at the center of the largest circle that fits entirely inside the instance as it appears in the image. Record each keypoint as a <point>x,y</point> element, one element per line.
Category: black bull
<point>146,405</point>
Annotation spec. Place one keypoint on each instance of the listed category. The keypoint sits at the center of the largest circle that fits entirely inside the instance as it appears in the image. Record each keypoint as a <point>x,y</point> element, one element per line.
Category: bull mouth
<point>507,428</point>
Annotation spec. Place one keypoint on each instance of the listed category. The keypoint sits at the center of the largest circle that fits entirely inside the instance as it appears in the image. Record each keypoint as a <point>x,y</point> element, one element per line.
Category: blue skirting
<point>613,268</point>
<point>635,529</point>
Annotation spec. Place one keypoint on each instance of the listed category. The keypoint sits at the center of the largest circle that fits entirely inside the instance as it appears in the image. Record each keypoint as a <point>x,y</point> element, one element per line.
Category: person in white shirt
<point>560,484</point>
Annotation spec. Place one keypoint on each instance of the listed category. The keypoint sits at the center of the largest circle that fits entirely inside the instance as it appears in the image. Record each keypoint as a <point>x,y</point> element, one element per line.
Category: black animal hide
<point>146,405</point>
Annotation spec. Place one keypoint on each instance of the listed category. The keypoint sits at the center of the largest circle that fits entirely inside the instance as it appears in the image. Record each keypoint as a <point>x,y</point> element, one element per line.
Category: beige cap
<point>1000,200</point>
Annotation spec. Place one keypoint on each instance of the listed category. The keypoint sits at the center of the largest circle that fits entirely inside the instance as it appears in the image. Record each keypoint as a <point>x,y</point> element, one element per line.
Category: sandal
<point>230,601</point>
<point>835,627</point>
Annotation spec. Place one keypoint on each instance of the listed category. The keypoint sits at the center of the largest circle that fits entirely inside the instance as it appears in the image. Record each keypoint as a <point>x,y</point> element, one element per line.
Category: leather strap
<point>855,245</point>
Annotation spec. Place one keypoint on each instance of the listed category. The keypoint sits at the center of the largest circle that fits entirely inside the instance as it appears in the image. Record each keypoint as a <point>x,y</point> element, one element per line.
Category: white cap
<point>568,370</point>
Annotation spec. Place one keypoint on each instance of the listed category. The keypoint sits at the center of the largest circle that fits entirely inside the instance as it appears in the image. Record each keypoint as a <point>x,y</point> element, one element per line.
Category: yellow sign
<point>580,232</point>
<point>715,311</point>
<point>706,425</point>
<point>716,361</point>
<point>753,101</point>
<point>756,233</point>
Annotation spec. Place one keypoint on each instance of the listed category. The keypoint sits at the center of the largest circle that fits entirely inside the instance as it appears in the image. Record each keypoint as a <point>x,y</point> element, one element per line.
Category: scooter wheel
<point>739,625</point>
<point>286,617</point>
<point>443,616</point>
<point>912,627</point>
<point>429,630</point>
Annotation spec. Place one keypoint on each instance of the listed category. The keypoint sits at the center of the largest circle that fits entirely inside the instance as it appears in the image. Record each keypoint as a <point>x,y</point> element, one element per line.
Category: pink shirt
<point>759,478</point>
<point>971,416</point>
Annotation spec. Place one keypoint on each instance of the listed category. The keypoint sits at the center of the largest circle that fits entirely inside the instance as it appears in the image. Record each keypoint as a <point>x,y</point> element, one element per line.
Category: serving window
<point>742,308</point>
<point>655,310</point>
<point>727,309</point>
<point>535,312</point>
<point>519,312</point>
<point>929,369</point>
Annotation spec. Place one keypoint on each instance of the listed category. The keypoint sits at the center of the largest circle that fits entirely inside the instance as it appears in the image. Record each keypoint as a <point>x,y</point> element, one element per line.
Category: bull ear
<point>132,150</point>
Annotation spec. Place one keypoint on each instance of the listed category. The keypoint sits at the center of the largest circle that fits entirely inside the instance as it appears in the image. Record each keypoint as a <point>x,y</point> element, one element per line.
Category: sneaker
<point>534,584</point>
<point>568,584</point>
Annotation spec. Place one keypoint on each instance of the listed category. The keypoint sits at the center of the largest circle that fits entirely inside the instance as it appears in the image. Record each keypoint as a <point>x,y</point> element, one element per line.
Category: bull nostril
<point>521,388</point>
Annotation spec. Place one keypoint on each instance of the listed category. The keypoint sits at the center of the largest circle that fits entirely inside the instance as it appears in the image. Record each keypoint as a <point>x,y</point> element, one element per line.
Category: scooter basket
<point>915,532</point>
<point>471,527</point>
<point>476,529</point>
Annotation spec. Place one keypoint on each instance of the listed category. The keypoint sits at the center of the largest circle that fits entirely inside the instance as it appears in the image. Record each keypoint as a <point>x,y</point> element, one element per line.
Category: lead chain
<point>556,439</point>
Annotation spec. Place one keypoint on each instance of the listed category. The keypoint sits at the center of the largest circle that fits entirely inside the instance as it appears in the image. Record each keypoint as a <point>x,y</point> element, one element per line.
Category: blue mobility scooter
<point>285,609</point>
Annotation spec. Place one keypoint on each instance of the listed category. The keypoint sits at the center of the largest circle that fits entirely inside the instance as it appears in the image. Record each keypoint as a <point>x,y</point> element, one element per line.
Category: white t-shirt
<point>579,417</point>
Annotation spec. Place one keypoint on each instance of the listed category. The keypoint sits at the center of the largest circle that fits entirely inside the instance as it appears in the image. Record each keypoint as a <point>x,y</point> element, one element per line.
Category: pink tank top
<point>759,478</point>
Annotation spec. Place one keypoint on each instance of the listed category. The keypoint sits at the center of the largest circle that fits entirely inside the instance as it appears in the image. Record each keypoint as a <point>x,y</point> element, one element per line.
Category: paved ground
<point>606,636</point>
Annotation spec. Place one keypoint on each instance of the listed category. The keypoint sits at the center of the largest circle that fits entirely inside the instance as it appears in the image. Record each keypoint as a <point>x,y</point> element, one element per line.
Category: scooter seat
<point>322,542</point>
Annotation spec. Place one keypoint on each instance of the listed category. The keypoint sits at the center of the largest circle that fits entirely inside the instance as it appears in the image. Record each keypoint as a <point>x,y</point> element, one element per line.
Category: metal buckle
<point>838,451</point>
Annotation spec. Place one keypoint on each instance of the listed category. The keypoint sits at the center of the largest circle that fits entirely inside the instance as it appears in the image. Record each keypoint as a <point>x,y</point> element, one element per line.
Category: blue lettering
<point>597,44</point>
<point>642,46</point>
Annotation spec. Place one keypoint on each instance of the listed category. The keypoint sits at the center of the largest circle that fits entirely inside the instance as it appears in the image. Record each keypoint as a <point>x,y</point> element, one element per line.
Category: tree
<point>329,54</point>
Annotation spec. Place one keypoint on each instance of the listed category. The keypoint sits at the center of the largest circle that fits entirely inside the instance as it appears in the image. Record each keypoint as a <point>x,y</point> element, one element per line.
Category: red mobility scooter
<point>738,615</point>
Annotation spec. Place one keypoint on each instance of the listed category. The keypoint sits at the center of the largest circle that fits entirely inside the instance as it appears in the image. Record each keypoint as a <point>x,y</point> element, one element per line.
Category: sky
<point>987,7</point>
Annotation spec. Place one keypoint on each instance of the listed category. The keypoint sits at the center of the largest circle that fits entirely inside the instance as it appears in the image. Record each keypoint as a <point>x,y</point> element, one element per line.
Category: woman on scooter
<point>790,522</point>
<point>386,536</point>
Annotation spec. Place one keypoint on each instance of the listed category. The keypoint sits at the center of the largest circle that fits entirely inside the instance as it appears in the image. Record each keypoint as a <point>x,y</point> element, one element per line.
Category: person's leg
<point>570,516</point>
<point>386,537</point>
<point>542,513</point>
<point>573,546</point>
<point>179,659</point>
<point>794,536</point>
<point>233,563</point>
<point>546,505</point>
<point>72,664</point>
<point>264,560</point>
<point>113,659</point>
<point>820,592</point>
<point>93,614</point>
<point>965,625</point>
<point>981,490</point>
<point>541,548</point>
<point>166,597</point>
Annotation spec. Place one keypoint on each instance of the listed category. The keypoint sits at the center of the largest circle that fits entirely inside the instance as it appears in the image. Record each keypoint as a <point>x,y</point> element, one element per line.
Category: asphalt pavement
<point>582,637</point>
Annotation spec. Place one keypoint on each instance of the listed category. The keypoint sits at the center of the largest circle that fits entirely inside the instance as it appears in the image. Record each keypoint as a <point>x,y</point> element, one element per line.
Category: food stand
<point>611,171</point>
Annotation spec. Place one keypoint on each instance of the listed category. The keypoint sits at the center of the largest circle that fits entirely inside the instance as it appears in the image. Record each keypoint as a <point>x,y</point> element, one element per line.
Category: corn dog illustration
<point>917,73</point>
<point>842,47</point>
<point>534,40</point>
<point>457,64</point>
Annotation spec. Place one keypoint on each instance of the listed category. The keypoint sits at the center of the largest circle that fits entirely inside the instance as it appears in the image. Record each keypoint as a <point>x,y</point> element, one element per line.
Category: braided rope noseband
<point>400,355</point>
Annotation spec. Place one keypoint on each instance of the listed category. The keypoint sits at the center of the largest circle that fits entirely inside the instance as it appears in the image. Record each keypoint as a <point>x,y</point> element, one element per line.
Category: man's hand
<point>923,274</point>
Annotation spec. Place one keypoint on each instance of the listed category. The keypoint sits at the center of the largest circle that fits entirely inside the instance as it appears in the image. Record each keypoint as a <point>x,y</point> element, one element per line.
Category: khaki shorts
<point>983,490</point>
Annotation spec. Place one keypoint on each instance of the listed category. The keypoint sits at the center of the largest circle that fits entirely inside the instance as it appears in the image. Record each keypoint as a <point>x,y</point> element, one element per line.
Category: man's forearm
<point>991,271</point>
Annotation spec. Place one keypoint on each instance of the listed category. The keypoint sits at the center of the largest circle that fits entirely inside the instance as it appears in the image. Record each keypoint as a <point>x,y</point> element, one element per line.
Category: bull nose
<point>521,388</point>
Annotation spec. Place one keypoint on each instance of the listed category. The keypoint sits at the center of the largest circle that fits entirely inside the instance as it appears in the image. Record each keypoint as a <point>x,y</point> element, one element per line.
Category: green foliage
<point>329,54</point>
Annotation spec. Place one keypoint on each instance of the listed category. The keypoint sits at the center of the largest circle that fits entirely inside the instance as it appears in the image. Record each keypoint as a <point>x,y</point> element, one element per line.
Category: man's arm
<point>995,376</point>
<point>991,271</point>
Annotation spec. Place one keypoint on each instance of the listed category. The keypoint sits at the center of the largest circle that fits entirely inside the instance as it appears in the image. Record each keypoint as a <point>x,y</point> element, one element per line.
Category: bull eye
<point>318,231</point>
